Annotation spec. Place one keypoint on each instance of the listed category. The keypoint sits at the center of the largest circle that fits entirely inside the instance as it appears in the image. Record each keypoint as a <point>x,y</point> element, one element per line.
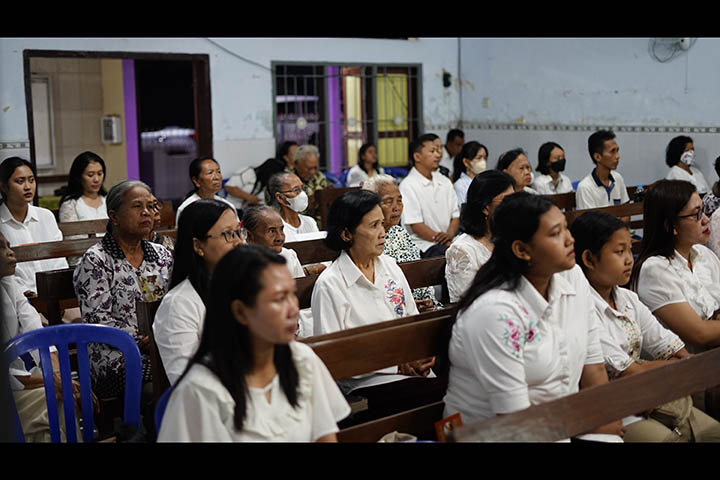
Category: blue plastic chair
<point>397,172</point>
<point>332,178</point>
<point>61,336</point>
<point>160,408</point>
<point>343,178</point>
<point>574,185</point>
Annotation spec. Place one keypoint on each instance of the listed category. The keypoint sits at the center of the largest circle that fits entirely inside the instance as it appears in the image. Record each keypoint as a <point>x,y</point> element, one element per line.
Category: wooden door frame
<point>201,88</point>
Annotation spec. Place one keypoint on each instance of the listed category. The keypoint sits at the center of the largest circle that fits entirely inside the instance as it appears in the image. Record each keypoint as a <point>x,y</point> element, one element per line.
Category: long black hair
<point>663,202</point>
<point>591,231</point>
<point>74,187</point>
<point>225,344</point>
<point>361,162</point>
<point>264,171</point>
<point>8,167</point>
<point>469,150</point>
<point>516,218</point>
<point>195,221</point>
<point>544,157</point>
<point>483,188</point>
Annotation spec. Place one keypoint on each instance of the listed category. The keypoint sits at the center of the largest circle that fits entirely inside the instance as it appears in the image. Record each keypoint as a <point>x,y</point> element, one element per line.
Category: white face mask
<point>478,166</point>
<point>688,158</point>
<point>299,203</point>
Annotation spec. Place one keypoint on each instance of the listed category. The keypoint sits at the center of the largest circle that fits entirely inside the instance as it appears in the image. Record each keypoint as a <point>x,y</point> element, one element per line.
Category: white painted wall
<point>241,91</point>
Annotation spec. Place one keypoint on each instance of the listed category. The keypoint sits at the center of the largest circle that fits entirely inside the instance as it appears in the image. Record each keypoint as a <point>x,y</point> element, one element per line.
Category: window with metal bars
<point>339,107</point>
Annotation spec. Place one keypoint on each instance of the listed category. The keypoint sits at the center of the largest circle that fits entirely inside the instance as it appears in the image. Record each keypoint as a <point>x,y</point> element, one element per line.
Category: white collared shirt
<point>178,327</point>
<point>591,195</point>
<point>244,180</point>
<point>631,331</point>
<point>463,258</point>
<point>201,409</point>
<point>432,202</point>
<point>39,226</point>
<point>663,282</point>
<point>512,349</point>
<point>293,263</point>
<point>356,176</point>
<point>194,198</point>
<point>461,186</point>
<point>76,210</point>
<point>697,178</point>
<point>307,230</point>
<point>544,185</point>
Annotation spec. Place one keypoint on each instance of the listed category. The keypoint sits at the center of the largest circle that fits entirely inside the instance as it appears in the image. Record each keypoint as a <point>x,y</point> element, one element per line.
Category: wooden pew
<point>590,408</point>
<point>564,201</point>
<point>55,293</point>
<point>419,273</point>
<point>385,344</point>
<point>312,251</point>
<point>145,317</point>
<point>625,210</point>
<point>325,197</point>
<point>91,228</point>
<point>58,249</point>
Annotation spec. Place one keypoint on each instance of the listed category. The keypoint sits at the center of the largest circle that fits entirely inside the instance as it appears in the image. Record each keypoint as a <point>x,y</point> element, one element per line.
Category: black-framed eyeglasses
<point>297,190</point>
<point>230,235</point>
<point>698,215</point>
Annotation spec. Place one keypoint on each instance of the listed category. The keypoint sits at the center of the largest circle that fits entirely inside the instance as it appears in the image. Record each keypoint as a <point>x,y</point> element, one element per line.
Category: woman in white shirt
<point>206,177</point>
<point>551,164</point>
<point>289,195</point>
<point>366,167</point>
<point>675,275</point>
<point>523,334</point>
<point>471,161</point>
<point>515,162</point>
<point>249,380</point>
<point>680,157</point>
<point>632,339</point>
<point>23,223</point>
<point>362,286</point>
<point>85,195</point>
<point>207,231</point>
<point>470,250</point>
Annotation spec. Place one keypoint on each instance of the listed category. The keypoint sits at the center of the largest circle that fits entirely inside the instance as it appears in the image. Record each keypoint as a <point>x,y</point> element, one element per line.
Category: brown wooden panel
<point>565,201</point>
<point>145,312</point>
<point>389,344</point>
<point>170,232</point>
<point>579,413</point>
<point>424,273</point>
<point>55,288</point>
<point>59,249</point>
<point>325,197</point>
<point>167,215</point>
<point>304,289</point>
<point>85,227</point>
<point>418,421</point>
<point>312,251</point>
<point>625,210</point>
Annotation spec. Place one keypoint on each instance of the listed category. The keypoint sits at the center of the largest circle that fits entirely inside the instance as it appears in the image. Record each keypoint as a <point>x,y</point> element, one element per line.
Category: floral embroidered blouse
<point>400,246</point>
<point>631,334</point>
<point>511,349</point>
<point>107,287</point>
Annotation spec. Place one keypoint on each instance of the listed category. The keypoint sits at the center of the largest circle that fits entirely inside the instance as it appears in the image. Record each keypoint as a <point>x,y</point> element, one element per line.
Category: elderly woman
<point>207,231</point>
<point>398,243</point>
<point>290,197</point>
<point>159,238</point>
<point>473,248</point>
<point>115,273</point>
<point>206,177</point>
<point>515,163</point>
<point>361,287</point>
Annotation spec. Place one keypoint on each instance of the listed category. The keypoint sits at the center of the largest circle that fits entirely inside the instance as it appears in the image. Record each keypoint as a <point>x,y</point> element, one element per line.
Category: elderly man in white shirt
<point>431,213</point>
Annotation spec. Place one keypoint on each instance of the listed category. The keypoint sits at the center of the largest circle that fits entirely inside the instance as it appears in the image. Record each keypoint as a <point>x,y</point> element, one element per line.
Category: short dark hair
<point>194,222</point>
<point>346,212</point>
<point>284,148</point>
<point>417,144</point>
<point>469,150</point>
<point>74,187</point>
<point>675,148</point>
<point>194,170</point>
<point>8,167</point>
<point>591,231</point>
<point>544,156</point>
<point>483,188</point>
<point>509,157</point>
<point>454,133</point>
<point>596,142</point>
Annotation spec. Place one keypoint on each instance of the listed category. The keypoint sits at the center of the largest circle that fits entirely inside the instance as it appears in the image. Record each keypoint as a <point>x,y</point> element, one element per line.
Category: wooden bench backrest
<point>55,292</point>
<point>325,197</point>
<point>167,215</point>
<point>61,248</point>
<point>145,317</point>
<point>312,251</point>
<point>91,228</point>
<point>419,273</point>
<point>565,201</point>
<point>579,413</point>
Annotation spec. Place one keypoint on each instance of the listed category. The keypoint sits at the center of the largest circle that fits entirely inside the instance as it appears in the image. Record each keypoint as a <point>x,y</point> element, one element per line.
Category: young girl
<point>632,339</point>
<point>523,335</point>
<point>249,380</point>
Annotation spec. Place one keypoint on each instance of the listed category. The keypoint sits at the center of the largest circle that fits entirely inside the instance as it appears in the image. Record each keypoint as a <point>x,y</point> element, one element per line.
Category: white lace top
<point>202,410</point>
<point>463,260</point>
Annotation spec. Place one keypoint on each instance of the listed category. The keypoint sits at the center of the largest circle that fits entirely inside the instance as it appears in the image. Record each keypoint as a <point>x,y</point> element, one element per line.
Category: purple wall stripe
<point>334,116</point>
<point>131,133</point>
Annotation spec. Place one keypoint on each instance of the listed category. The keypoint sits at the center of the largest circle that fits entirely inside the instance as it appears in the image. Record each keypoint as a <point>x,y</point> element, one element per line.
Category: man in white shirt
<point>604,186</point>
<point>453,144</point>
<point>431,213</point>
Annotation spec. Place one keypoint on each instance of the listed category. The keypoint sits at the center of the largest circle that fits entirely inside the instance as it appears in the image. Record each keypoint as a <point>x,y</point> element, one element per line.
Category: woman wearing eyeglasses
<point>159,238</point>
<point>676,276</point>
<point>289,195</point>
<point>112,275</point>
<point>208,230</point>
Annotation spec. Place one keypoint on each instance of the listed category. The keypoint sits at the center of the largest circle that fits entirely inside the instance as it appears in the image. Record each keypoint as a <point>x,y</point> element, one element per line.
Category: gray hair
<point>275,184</point>
<point>116,195</point>
<point>376,181</point>
<point>304,151</point>
<point>252,215</point>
